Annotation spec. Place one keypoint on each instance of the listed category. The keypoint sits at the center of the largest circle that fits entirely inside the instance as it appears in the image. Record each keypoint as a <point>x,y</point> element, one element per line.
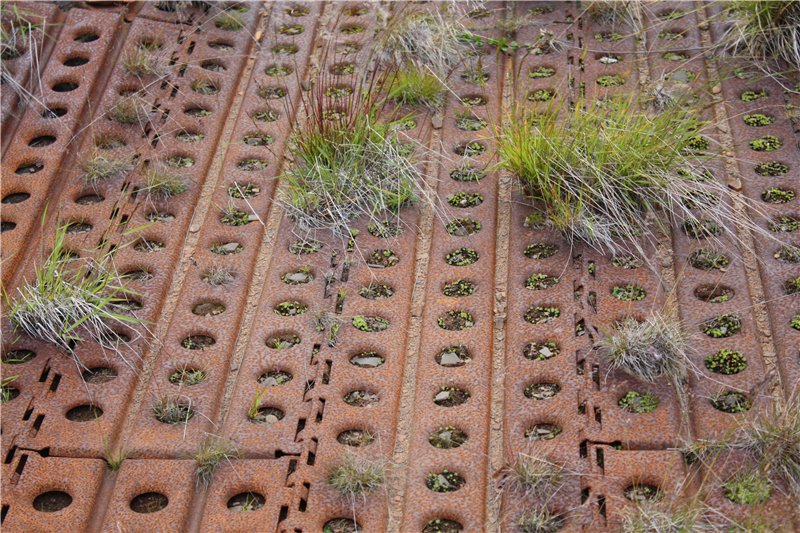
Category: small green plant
<point>229,21</point>
<point>795,322</point>
<point>541,314</point>
<point>469,122</point>
<point>540,281</point>
<point>8,392</point>
<point>614,80</point>
<point>784,224</point>
<point>646,350</point>
<point>758,120</point>
<point>357,476</point>
<point>465,199</point>
<point>668,516</point>
<point>722,326</point>
<point>628,293</point>
<point>771,168</point>
<point>459,287</point>
<point>540,520</point>
<point>416,88</point>
<point>731,402</point>
<point>636,402</point>
<point>542,72</point>
<point>72,300</point>
<point>726,362</point>
<point>531,475</point>
<point>541,351</point>
<point>173,410</point>
<point>369,323</point>
<point>788,254</point>
<point>792,286</point>
<point>187,375</point>
<point>100,166</point>
<point>778,195</point>
<point>767,143</point>
<point>161,184</point>
<point>444,481</point>
<point>747,489</point>
<point>233,216</point>
<point>146,59</point>
<point>213,450</point>
<point>290,308</point>
<point>541,95</point>
<point>462,257</point>
<point>218,275</point>
<point>709,259</point>
<point>752,96</point>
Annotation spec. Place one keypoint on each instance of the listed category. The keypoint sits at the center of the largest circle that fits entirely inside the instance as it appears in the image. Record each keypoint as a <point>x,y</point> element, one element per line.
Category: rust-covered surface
<point>281,387</point>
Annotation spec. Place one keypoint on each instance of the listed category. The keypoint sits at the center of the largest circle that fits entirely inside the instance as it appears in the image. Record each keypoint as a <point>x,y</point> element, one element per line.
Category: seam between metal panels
<point>497,396</point>
<point>755,286</point>
<point>409,383</point>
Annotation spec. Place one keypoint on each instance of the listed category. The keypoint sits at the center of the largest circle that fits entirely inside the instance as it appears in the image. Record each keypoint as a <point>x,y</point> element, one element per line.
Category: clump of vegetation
<point>128,111</point>
<point>731,402</point>
<point>747,488</point>
<point>722,326</point>
<point>218,275</point>
<point>726,362</point>
<point>773,440</point>
<point>531,475</point>
<point>603,173</point>
<point>99,166</point>
<point>414,87</point>
<point>348,165</point>
<point>765,32</point>
<point>213,451</point>
<point>357,476</point>
<point>540,520</point>
<point>229,21</point>
<point>146,59</point>
<point>668,517</point>
<point>429,42</point>
<point>636,402</point>
<point>161,184</point>
<point>646,350</point>
<point>173,410</point>
<point>72,300</point>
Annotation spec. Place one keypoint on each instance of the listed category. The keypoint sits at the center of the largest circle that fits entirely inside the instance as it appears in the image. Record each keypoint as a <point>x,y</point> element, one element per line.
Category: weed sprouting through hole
<point>531,475</point>
<point>608,174</point>
<point>357,476</point>
<point>213,451</point>
<point>100,166</point>
<point>73,300</point>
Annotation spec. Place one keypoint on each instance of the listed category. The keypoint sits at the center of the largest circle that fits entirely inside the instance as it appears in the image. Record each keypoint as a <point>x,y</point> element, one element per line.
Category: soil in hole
<point>341,525</point>
<point>447,437</point>
<point>100,374</point>
<point>52,501</point>
<point>355,438</point>
<point>450,397</point>
<point>367,360</point>
<point>84,413</point>
<point>246,501</point>
<point>454,356</point>
<point>361,398</point>
<point>149,502</point>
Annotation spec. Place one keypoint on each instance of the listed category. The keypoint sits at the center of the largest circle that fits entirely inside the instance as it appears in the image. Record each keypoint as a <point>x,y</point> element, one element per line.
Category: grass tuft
<point>160,184</point>
<point>213,450</point>
<point>72,300</point>
<point>414,87</point>
<point>647,350</point>
<point>99,166</point>
<point>146,59</point>
<point>357,476</point>
<point>531,475</point>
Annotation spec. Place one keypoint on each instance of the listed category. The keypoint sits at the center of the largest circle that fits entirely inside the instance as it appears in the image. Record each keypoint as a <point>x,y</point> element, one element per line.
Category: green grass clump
<point>146,59</point>
<point>747,489</point>
<point>99,166</point>
<point>160,184</point>
<point>357,476</point>
<point>414,87</point>
<point>71,300</point>
<point>531,475</point>
<point>726,362</point>
<point>212,451</point>
<point>349,166</point>
<point>765,32</point>
<point>636,402</point>
<point>646,350</point>
<point>601,172</point>
<point>229,21</point>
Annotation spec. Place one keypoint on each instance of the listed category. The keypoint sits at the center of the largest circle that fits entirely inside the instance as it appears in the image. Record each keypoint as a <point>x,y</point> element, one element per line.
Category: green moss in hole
<point>456,320</point>
<point>701,228</point>
<point>747,489</point>
<point>469,122</point>
<point>696,145</point>
<point>541,72</point>
<point>751,96</point>
<point>671,35</point>
<point>539,281</point>
<point>784,224</point>
<point>628,293</point>
<point>722,326</point>
<point>767,143</point>
<point>473,101</point>
<point>541,95</point>
<point>758,120</point>
<point>470,149</point>
<point>778,195</point>
<point>370,324</point>
<point>726,362</point>
<point>792,286</point>
<point>343,69</point>
<point>636,402</point>
<point>795,322</point>
<point>462,257</point>
<point>610,81</point>
<point>459,287</point>
<point>465,199</point>
<point>243,190</point>
<point>291,29</point>
<point>731,402</point>
<point>771,168</point>
<point>676,56</point>
<point>627,262</point>
<point>540,250</point>
<point>537,314</point>
<point>382,259</point>
<point>709,259</point>
<point>290,308</point>
<point>608,36</point>
<point>466,173</point>
<point>788,254</point>
<point>461,227</point>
